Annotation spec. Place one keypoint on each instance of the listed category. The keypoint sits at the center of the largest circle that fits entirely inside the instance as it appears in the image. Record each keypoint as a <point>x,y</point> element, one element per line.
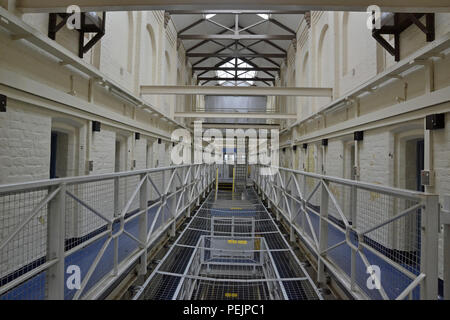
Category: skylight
<point>209,16</point>
<point>240,74</point>
<point>263,15</point>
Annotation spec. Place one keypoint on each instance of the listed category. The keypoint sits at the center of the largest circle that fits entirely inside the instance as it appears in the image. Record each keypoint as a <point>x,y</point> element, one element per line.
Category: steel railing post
<point>292,210</point>
<point>143,224</point>
<point>116,256</point>
<point>302,197</point>
<point>353,210</point>
<point>197,181</point>
<point>116,197</point>
<point>446,245</point>
<point>171,204</point>
<point>55,244</point>
<point>323,232</point>
<point>277,200</point>
<point>188,191</point>
<point>429,247</point>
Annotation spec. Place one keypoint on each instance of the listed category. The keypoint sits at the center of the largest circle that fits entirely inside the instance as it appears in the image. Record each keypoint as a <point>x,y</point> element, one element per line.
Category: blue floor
<point>393,281</point>
<point>34,288</point>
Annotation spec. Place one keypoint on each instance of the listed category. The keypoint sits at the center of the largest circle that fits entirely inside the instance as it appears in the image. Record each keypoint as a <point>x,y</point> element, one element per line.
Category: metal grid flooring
<point>238,219</point>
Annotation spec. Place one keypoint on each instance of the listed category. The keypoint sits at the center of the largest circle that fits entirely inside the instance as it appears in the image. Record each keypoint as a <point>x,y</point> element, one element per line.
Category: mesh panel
<point>231,250</point>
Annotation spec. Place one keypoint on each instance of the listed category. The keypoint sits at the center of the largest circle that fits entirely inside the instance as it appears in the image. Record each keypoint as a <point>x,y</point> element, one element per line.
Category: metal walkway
<point>231,249</point>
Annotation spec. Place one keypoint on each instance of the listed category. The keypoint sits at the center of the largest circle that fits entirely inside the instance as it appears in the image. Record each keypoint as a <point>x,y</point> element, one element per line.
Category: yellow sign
<point>237,241</point>
<point>231,295</point>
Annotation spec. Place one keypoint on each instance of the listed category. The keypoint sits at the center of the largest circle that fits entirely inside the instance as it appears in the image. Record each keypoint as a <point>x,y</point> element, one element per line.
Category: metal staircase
<point>241,175</point>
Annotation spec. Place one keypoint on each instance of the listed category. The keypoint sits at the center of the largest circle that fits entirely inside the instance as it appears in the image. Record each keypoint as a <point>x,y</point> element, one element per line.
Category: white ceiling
<point>291,21</point>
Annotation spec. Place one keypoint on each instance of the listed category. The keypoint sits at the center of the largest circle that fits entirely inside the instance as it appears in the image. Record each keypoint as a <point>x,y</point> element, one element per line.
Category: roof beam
<point>232,69</point>
<point>256,66</point>
<point>282,26</point>
<point>236,37</point>
<point>216,65</point>
<point>235,79</point>
<point>268,42</point>
<point>240,12</point>
<point>236,55</point>
<point>189,27</point>
<point>235,115</point>
<point>216,52</point>
<point>237,91</point>
<point>202,42</point>
<point>261,5</point>
<point>265,58</point>
<point>238,126</point>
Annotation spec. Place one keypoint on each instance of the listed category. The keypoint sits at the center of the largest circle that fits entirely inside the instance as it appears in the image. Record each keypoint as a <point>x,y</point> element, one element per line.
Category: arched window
<point>167,69</point>
<point>305,82</point>
<point>150,57</point>
<point>323,49</point>
<point>325,69</point>
<point>130,42</point>
<point>121,31</point>
<point>241,74</point>
<point>345,43</point>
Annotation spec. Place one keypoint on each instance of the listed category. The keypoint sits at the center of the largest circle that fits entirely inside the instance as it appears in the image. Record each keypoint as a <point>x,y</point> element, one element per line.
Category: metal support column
<point>116,197</point>
<point>429,248</point>
<point>55,244</point>
<point>143,224</point>
<point>171,204</point>
<point>445,220</point>
<point>323,232</point>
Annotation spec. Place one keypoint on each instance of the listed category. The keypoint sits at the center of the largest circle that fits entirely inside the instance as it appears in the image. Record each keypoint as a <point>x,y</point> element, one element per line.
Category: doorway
<point>59,155</point>
<point>414,164</point>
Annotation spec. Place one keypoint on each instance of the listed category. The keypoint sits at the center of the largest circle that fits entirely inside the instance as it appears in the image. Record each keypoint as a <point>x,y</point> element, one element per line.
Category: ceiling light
<point>209,16</point>
<point>263,15</point>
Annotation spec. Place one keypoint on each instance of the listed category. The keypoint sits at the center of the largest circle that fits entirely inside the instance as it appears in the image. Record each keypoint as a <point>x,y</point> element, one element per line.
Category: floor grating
<point>231,249</point>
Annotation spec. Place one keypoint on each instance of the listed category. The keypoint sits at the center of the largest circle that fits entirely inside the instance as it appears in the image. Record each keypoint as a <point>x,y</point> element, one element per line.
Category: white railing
<point>73,238</point>
<point>378,242</point>
<point>232,260</point>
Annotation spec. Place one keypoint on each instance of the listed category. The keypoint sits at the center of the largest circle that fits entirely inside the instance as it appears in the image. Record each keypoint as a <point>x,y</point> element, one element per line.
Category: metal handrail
<point>196,182</point>
<point>24,186</point>
<point>283,185</point>
<point>414,195</point>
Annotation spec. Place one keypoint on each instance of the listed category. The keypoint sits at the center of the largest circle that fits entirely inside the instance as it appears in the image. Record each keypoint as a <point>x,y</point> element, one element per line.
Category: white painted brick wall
<point>99,195</point>
<point>140,154</point>
<point>375,163</point>
<point>24,145</point>
<point>24,156</point>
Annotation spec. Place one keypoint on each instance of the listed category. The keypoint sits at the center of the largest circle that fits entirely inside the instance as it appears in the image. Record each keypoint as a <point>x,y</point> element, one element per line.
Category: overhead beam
<point>235,55</point>
<point>201,43</point>
<point>191,12</point>
<point>236,37</point>
<point>232,69</point>
<point>199,21</point>
<point>237,91</point>
<point>256,66</point>
<point>267,41</point>
<point>235,79</point>
<point>234,115</point>
<point>256,5</point>
<point>282,26</point>
<point>208,125</point>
